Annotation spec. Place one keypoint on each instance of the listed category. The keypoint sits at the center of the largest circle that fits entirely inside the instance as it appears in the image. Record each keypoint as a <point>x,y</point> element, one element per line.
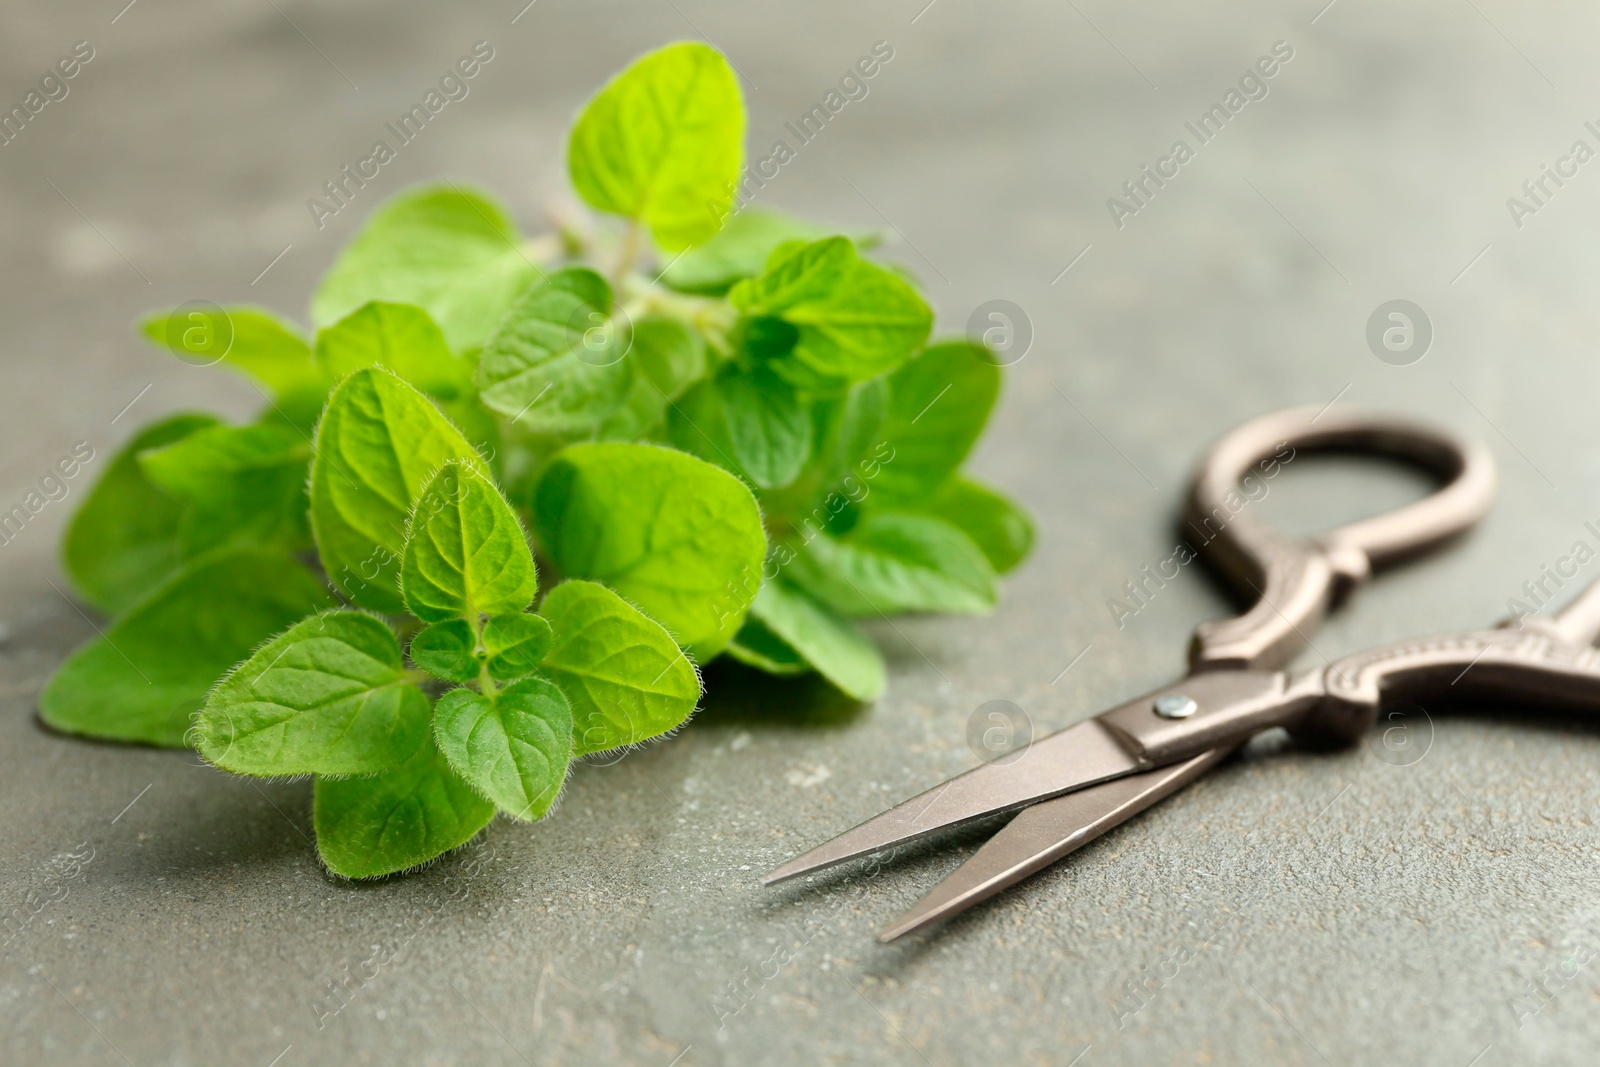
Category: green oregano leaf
<point>512,746</point>
<point>847,456</point>
<point>556,364</point>
<point>511,646</point>
<point>377,444</point>
<point>892,562</point>
<point>457,254</point>
<point>852,319</point>
<point>626,679</point>
<point>698,424</point>
<point>241,485</point>
<point>400,337</point>
<point>663,143</point>
<point>515,644</point>
<point>829,644</point>
<point>768,427</point>
<point>250,340</point>
<point>123,540</point>
<point>678,537</point>
<point>738,251</point>
<point>465,552</point>
<point>328,696</point>
<point>994,522</point>
<point>640,416</point>
<point>755,645</point>
<point>396,820</point>
<point>766,338</point>
<point>664,358</point>
<point>448,650</point>
<point>667,354</point>
<point>938,404</point>
<point>146,676</point>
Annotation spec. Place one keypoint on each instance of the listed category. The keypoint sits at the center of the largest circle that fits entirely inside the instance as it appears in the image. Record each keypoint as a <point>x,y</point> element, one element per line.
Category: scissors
<point>1074,785</point>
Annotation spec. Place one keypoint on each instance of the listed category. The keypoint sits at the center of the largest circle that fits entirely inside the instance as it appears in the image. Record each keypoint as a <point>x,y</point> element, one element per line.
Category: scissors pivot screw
<point>1175,706</point>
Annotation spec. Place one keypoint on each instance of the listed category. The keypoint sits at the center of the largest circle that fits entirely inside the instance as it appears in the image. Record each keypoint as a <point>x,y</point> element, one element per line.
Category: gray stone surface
<point>1293,907</point>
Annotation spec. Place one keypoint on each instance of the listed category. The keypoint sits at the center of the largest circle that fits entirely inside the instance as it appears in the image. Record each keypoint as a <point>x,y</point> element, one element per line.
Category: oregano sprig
<point>509,495</point>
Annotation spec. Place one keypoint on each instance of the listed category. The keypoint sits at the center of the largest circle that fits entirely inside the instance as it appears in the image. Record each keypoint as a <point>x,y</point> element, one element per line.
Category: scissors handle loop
<point>1296,581</point>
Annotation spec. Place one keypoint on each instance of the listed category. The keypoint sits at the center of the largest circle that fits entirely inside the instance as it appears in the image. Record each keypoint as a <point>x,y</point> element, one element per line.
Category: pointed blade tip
<point>818,859</point>
<point>906,924</point>
<point>790,869</point>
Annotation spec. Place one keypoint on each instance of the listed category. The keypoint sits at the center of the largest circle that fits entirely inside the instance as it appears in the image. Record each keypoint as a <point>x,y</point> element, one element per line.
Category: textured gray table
<point>1293,907</point>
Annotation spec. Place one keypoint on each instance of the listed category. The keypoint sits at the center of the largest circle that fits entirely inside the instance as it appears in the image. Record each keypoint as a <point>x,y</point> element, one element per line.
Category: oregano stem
<point>629,253</point>
<point>486,684</point>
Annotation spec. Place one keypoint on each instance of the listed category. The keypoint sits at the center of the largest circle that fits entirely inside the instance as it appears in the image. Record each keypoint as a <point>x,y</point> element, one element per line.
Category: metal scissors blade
<point>1069,759</point>
<point>1045,832</point>
<point>1112,744</point>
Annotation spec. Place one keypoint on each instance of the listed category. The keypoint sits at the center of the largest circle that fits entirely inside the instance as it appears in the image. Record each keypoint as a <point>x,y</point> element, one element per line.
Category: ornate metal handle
<point>1548,662</point>
<point>1295,581</point>
<point>1551,663</point>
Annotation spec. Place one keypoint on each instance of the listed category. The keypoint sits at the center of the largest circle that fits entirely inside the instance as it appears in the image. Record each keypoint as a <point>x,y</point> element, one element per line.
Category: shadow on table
<point>737,695</point>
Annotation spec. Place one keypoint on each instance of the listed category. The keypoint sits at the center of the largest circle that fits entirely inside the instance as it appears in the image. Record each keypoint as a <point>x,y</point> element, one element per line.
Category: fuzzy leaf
<point>674,535</point>
<point>511,646</point>
<point>378,443</point>
<point>396,820</point>
<point>893,562</point>
<point>447,650</point>
<point>557,363</point>
<point>513,747</point>
<point>663,143</point>
<point>400,337</point>
<point>147,675</point>
<point>241,484</point>
<point>994,522</point>
<point>938,404</point>
<point>624,677</point>
<point>328,696</point>
<point>455,254</point>
<point>831,645</point>
<point>123,540</point>
<point>852,319</point>
<point>465,552</point>
<point>516,644</point>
